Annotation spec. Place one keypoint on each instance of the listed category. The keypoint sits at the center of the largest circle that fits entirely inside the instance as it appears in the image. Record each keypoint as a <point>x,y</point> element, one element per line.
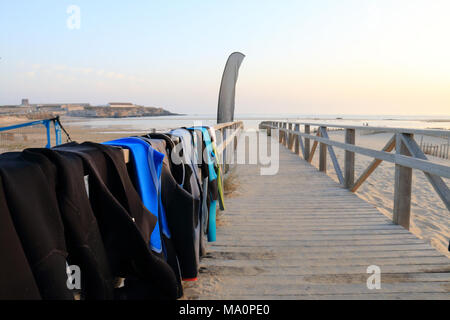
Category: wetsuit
<point>147,164</point>
<point>82,233</point>
<point>125,224</point>
<point>185,152</point>
<point>208,165</point>
<point>16,278</point>
<point>220,188</point>
<point>181,211</point>
<point>143,160</point>
<point>34,210</point>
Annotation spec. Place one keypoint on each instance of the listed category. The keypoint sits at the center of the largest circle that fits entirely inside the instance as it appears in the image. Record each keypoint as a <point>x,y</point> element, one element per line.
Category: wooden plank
<point>324,271</point>
<point>414,277</point>
<point>359,296</point>
<point>292,288</point>
<point>350,264</point>
<point>310,254</point>
<point>328,250</point>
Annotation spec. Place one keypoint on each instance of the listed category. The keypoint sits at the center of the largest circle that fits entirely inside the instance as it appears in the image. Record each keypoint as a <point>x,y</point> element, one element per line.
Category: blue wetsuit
<point>147,163</point>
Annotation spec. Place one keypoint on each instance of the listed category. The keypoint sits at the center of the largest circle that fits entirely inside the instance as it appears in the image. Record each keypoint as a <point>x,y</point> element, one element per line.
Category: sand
<point>430,219</point>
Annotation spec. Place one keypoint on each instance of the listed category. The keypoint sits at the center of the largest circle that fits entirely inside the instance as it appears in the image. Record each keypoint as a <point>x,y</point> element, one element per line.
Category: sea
<point>251,121</point>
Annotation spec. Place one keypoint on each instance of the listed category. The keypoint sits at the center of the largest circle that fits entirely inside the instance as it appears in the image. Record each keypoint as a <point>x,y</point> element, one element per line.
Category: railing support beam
<point>333,157</point>
<point>373,165</point>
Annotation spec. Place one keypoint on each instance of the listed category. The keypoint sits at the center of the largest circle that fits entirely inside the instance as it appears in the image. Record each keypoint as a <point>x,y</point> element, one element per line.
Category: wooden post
<point>448,146</point>
<point>224,154</point>
<point>307,141</point>
<point>291,137</point>
<point>323,155</point>
<point>280,134</point>
<point>349,168</point>
<point>126,155</point>
<point>402,189</point>
<point>296,139</point>
<point>285,134</point>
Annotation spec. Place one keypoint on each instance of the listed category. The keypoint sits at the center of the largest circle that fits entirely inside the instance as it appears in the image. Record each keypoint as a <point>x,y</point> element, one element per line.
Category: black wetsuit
<point>125,224</point>
<point>16,278</point>
<point>35,213</point>
<point>56,221</point>
<point>82,233</point>
<point>182,205</point>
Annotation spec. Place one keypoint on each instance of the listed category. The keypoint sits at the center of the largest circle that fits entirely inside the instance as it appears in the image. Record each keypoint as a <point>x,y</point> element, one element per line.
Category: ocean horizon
<point>251,121</point>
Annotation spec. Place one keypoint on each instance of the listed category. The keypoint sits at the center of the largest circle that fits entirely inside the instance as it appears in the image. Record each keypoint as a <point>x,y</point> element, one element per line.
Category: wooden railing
<point>408,155</point>
<point>226,136</point>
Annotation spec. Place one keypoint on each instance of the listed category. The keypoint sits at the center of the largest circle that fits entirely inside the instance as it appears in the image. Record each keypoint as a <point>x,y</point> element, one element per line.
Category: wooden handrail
<point>236,126</point>
<point>429,132</point>
<point>220,126</point>
<point>407,156</point>
<point>226,139</point>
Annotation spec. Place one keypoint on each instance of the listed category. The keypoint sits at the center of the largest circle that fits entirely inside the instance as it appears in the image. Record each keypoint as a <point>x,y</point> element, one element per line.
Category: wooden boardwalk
<point>300,235</point>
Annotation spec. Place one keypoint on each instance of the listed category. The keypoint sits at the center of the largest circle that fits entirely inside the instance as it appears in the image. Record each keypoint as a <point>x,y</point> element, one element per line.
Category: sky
<point>388,57</point>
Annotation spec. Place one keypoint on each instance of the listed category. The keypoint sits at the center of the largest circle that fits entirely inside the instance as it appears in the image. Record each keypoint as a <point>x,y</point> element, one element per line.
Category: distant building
<point>25,103</point>
<point>120,105</point>
<point>48,105</point>
<point>73,107</point>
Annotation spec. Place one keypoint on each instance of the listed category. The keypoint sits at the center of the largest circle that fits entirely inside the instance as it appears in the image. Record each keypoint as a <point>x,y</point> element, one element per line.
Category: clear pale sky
<point>306,57</point>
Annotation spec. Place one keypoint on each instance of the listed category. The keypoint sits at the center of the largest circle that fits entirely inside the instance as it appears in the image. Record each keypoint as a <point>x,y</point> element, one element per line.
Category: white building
<point>120,104</point>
